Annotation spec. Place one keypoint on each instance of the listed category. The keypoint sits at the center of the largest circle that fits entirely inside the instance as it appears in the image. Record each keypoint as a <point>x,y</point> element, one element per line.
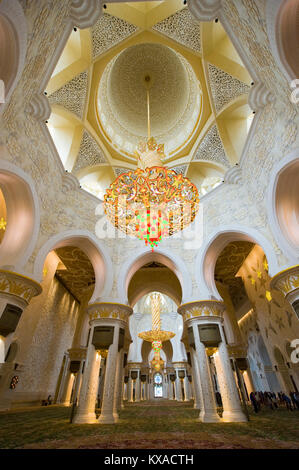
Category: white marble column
<point>187,388</point>
<point>107,416</point>
<point>78,381</point>
<point>61,391</point>
<point>165,387</point>
<point>196,381</point>
<point>68,389</point>
<point>130,388</point>
<point>79,355</point>
<point>247,377</point>
<point>65,386</point>
<point>89,388</point>
<point>208,412</point>
<point>232,410</point>
<point>170,392</point>
<point>143,391</point>
<point>151,389</point>
<point>147,389</point>
<point>125,391</point>
<point>137,387</point>
<point>122,390</point>
<point>118,384</point>
<point>178,387</point>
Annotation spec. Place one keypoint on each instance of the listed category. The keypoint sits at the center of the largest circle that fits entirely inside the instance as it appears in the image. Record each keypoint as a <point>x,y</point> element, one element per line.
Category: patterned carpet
<point>157,425</point>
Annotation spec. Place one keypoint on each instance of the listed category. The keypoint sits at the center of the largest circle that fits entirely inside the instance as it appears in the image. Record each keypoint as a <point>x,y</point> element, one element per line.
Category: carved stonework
<point>183,28</point>
<point>211,148</point>
<point>72,95</point>
<point>286,281</point>
<point>90,154</point>
<point>201,308</point>
<point>224,87</point>
<point>109,31</point>
<point>109,311</point>
<point>19,286</point>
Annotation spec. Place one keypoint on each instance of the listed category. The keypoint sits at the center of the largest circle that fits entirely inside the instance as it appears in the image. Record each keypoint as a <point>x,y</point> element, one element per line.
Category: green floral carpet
<point>160,425</point>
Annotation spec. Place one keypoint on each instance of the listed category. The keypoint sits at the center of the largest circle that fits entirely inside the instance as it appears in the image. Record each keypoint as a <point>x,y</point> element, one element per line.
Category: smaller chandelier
<point>156,336</point>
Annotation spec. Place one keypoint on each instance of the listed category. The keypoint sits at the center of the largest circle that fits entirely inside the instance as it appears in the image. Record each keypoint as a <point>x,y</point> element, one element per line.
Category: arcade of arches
<point>74,292</point>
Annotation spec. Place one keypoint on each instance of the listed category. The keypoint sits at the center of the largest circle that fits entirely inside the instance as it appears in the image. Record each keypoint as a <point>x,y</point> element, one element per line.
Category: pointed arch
<point>92,247</point>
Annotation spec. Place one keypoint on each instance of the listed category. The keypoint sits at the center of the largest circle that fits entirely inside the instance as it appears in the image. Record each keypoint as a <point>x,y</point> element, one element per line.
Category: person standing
<point>287,401</point>
<point>294,401</point>
<point>254,402</point>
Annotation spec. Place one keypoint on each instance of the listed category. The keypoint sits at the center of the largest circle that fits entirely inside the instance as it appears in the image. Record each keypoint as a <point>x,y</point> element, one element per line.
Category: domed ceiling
<point>198,90</point>
<point>173,92</point>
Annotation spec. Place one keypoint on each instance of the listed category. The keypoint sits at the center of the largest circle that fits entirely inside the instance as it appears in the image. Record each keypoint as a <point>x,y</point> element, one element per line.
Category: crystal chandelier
<point>156,336</point>
<point>151,202</point>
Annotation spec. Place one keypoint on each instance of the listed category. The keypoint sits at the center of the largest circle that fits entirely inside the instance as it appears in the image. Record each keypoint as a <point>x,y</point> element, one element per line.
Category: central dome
<point>175,99</point>
<point>161,69</point>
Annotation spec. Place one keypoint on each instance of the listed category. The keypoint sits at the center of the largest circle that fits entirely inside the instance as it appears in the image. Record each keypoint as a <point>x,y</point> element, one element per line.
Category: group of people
<point>273,400</point>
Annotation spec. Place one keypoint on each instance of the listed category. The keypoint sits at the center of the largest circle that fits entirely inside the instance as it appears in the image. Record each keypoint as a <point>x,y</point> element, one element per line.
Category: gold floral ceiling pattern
<point>77,273</point>
<point>228,264</point>
<point>96,96</point>
<point>231,259</point>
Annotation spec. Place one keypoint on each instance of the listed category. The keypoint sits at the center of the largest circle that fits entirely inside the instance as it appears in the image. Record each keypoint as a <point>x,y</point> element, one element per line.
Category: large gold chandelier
<point>156,336</point>
<point>151,202</point>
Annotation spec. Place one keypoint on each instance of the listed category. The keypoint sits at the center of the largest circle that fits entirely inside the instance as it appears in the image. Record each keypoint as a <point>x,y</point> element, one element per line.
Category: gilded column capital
<point>77,354</point>
<point>16,285</point>
<point>109,311</point>
<point>202,309</point>
<point>287,282</point>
